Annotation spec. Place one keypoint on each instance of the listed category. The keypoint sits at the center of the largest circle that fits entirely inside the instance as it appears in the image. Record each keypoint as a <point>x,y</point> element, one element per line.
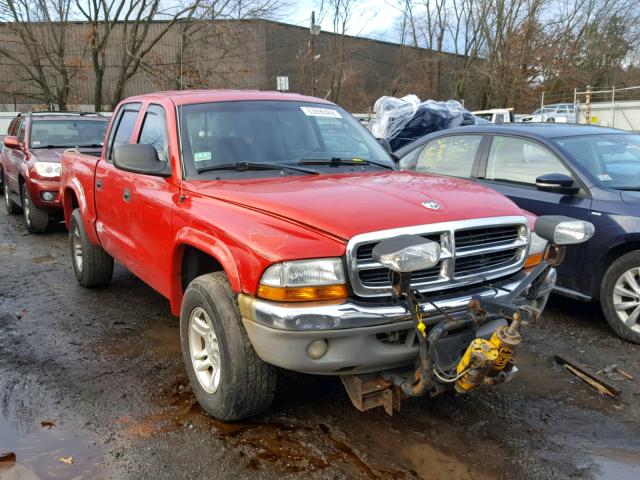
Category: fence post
<point>613,106</point>
<point>587,105</point>
<point>542,107</point>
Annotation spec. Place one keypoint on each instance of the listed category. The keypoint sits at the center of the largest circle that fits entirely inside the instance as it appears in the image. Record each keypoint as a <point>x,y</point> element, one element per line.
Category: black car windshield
<point>613,160</point>
<point>61,133</point>
<point>277,133</point>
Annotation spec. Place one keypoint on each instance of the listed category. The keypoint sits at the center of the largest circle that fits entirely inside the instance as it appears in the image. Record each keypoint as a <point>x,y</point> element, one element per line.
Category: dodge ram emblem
<point>431,205</point>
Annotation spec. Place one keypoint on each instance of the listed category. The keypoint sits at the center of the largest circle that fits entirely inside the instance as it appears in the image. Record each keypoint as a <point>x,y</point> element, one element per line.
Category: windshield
<point>67,133</point>
<point>613,160</point>
<point>275,132</point>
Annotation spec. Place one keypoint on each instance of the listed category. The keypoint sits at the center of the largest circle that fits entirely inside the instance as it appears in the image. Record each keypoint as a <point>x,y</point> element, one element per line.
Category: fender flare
<point>88,217</point>
<point>209,244</point>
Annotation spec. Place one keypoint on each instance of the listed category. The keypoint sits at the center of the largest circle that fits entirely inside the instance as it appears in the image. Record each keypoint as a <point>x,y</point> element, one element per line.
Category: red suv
<point>30,160</point>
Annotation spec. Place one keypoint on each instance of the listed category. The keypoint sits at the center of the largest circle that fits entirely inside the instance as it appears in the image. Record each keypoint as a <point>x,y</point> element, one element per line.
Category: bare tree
<point>37,45</point>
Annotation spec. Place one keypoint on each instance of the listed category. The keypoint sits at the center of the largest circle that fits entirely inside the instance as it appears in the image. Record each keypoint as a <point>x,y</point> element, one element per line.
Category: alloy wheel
<point>204,350</point>
<point>626,298</point>
<point>77,249</point>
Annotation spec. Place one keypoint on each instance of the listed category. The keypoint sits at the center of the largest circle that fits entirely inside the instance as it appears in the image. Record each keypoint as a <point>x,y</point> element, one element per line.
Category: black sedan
<point>586,172</point>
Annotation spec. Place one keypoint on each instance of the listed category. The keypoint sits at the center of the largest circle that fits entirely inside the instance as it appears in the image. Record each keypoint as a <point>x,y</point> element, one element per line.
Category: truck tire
<point>620,296</point>
<point>91,264</point>
<point>228,378</point>
<point>10,205</point>
<point>37,220</point>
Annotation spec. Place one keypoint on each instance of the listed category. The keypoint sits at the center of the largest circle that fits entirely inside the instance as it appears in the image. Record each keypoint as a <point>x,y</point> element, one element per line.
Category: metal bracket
<point>369,391</point>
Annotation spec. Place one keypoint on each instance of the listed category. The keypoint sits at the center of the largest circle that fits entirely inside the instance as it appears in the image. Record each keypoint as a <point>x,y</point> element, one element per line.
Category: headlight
<point>407,253</point>
<point>304,280</point>
<point>563,230</point>
<point>536,250</point>
<point>47,169</point>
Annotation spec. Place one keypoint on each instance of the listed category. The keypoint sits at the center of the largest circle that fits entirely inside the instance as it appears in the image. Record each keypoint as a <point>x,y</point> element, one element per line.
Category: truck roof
<point>185,97</point>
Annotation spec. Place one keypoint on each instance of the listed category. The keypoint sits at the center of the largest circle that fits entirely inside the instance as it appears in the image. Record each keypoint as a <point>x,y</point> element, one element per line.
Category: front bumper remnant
<point>365,337</point>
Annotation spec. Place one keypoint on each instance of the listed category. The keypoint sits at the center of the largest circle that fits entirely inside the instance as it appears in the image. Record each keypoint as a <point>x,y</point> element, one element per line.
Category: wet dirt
<point>104,366</point>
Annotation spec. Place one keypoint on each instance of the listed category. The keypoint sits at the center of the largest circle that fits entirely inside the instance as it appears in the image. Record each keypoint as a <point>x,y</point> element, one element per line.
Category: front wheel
<point>37,220</point>
<point>620,296</point>
<point>9,204</point>
<point>92,266</point>
<point>228,378</point>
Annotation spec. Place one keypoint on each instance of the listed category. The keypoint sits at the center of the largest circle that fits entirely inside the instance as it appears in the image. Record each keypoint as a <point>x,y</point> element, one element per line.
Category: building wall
<point>234,54</point>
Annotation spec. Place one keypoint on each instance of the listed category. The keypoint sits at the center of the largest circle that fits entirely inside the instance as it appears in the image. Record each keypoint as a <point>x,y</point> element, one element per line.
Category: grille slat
<point>482,237</point>
<point>486,249</point>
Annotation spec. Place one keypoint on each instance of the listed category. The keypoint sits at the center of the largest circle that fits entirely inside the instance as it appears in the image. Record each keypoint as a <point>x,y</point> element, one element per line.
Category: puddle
<point>43,259</point>
<point>7,248</point>
<point>432,464</point>
<point>165,340</point>
<point>38,450</point>
<point>617,464</point>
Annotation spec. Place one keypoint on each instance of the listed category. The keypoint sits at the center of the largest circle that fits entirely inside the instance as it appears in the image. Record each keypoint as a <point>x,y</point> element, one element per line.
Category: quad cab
<point>283,236</point>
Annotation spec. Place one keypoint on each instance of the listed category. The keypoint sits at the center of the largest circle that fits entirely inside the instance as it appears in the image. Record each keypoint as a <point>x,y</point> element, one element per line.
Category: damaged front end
<point>468,351</point>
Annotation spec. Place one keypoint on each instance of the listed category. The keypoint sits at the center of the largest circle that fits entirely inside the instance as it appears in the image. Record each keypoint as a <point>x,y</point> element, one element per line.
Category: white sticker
<point>320,112</point>
<point>35,142</point>
<point>604,177</point>
<point>202,156</point>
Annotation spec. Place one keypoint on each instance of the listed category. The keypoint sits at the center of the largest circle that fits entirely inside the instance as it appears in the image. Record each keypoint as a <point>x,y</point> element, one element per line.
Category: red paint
<point>247,225</point>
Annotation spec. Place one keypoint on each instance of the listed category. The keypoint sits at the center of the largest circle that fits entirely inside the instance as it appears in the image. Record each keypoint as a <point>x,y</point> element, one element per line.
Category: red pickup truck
<point>30,161</point>
<point>284,236</point>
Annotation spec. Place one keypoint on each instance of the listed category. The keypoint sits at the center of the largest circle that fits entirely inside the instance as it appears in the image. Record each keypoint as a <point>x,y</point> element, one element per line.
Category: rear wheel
<point>91,264</point>
<point>620,296</point>
<point>37,220</point>
<point>9,204</point>
<point>228,378</point>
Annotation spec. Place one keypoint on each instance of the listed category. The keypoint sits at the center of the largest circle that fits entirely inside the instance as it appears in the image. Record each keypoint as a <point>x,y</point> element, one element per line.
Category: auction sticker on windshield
<point>320,112</point>
<point>202,156</point>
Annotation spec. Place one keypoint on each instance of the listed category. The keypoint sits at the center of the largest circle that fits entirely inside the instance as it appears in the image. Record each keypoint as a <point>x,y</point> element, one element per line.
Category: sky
<point>371,18</point>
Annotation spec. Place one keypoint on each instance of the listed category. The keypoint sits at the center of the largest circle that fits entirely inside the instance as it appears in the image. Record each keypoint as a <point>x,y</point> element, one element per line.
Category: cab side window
<point>516,160</point>
<point>123,128</point>
<point>154,131</point>
<point>454,155</point>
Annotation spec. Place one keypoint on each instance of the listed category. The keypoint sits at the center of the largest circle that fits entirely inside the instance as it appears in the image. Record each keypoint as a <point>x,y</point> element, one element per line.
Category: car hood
<point>632,198</point>
<point>347,205</point>
<point>54,155</point>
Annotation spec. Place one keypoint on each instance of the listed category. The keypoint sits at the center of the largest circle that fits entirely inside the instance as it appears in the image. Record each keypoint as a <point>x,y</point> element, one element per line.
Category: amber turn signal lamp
<point>533,260</point>
<point>302,294</point>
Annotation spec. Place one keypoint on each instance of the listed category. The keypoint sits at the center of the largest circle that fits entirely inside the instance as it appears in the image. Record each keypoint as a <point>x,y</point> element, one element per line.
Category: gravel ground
<point>96,375</point>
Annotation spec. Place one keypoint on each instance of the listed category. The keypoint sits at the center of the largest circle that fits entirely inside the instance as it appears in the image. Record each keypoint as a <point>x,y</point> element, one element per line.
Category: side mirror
<point>140,158</point>
<point>557,183</point>
<point>12,142</point>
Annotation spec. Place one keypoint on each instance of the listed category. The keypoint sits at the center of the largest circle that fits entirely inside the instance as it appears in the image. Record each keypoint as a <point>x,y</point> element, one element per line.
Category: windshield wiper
<point>335,161</point>
<point>629,189</point>
<point>244,166</point>
<point>51,146</point>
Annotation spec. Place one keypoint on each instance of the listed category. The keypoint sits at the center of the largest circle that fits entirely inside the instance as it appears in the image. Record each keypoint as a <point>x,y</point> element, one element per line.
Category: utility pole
<point>315,31</point>
<point>542,107</point>
<point>613,106</point>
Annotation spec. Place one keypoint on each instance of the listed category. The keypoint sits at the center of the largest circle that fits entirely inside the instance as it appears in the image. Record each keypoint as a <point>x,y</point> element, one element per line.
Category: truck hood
<point>347,205</point>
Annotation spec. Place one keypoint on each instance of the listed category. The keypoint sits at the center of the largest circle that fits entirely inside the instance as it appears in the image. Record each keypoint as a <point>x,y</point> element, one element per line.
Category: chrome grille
<point>472,251</point>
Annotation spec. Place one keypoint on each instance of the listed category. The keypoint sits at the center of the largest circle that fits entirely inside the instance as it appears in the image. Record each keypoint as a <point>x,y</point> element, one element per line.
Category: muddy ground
<point>96,375</point>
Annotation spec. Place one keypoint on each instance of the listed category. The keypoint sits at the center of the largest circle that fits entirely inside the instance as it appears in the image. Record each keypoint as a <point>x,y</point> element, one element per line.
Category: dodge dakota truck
<point>284,237</point>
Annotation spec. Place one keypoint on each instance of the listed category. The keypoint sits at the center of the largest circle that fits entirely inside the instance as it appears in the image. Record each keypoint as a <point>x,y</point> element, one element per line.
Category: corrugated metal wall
<point>235,54</point>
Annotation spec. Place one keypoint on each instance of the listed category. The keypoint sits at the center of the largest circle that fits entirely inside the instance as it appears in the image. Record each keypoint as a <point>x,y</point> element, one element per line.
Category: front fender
<point>73,188</point>
<point>209,244</point>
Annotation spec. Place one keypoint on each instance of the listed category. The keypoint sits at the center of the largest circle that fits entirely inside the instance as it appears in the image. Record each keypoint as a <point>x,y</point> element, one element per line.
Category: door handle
<point>126,195</point>
<point>99,184</point>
